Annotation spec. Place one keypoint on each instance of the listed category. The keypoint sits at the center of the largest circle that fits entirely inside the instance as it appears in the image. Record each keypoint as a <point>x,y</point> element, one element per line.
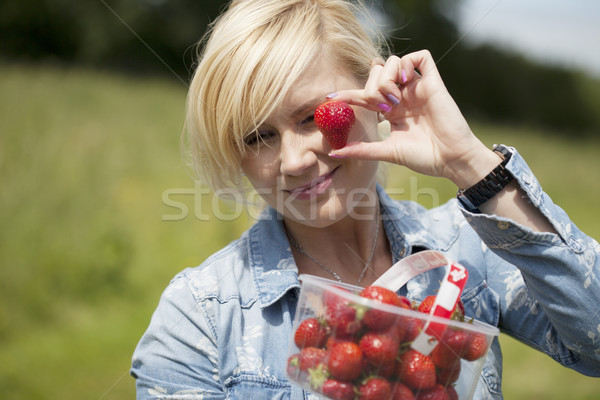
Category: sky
<point>560,32</point>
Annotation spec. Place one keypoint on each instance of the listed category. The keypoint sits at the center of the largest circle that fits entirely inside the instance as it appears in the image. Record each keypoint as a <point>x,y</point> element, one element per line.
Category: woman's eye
<point>308,120</point>
<point>259,136</point>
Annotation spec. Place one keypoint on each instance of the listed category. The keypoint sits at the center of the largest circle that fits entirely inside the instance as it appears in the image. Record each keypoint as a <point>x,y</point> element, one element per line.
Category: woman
<point>222,330</point>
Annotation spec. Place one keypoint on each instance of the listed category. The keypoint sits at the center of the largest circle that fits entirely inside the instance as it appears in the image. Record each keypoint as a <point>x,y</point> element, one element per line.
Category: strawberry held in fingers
<point>335,119</point>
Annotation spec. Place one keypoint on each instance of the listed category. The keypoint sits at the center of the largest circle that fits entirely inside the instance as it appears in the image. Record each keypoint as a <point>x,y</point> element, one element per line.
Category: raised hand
<point>428,132</point>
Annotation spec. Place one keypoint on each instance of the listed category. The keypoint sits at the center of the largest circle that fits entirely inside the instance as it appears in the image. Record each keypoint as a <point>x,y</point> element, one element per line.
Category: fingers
<point>387,80</point>
<point>377,151</point>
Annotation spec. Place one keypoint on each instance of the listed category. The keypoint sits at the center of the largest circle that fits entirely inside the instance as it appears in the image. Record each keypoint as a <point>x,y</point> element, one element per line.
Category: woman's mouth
<point>314,188</point>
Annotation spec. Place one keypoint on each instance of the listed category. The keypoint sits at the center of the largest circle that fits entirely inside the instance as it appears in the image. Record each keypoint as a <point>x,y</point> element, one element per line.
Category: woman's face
<point>287,160</point>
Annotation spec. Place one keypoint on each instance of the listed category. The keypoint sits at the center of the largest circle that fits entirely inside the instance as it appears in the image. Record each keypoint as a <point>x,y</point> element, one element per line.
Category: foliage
<point>158,36</point>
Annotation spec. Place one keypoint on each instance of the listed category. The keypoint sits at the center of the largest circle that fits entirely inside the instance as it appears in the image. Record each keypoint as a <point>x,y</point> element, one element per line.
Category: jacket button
<point>503,225</point>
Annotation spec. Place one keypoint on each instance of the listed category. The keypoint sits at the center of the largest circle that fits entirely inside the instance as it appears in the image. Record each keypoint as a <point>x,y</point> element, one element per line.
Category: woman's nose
<point>297,153</point>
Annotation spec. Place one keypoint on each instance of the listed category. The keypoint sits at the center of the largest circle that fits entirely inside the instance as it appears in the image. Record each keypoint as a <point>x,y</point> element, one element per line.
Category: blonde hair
<point>252,55</point>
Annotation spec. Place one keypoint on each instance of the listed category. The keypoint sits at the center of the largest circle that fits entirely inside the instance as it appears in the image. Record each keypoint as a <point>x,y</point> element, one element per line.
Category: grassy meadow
<point>97,213</point>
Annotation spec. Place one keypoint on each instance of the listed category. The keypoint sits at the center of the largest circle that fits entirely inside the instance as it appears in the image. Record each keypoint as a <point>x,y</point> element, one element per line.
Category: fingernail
<point>393,99</point>
<point>384,107</point>
<point>404,78</point>
<point>331,95</point>
<point>336,156</point>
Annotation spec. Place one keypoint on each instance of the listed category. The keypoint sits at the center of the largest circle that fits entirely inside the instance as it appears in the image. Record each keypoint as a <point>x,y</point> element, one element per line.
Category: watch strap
<point>473,197</point>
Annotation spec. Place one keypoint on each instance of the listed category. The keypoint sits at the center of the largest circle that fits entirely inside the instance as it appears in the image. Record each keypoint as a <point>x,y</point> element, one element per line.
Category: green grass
<point>86,244</point>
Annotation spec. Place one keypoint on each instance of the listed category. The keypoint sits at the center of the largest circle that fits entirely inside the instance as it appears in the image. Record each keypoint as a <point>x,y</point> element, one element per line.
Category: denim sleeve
<point>550,301</point>
<point>177,356</point>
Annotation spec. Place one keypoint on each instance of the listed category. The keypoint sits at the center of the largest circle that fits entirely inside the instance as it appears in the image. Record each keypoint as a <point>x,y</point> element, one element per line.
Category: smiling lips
<point>316,187</point>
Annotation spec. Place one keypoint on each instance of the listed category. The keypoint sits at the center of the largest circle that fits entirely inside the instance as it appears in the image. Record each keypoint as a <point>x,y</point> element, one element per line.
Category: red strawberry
<point>449,375</point>
<point>378,319</point>
<point>345,361</point>
<point>379,349</point>
<point>476,346</point>
<point>459,312</point>
<point>416,370</point>
<point>337,390</point>
<point>310,333</point>
<point>293,369</point>
<point>402,392</point>
<point>383,370</point>
<point>427,304</point>
<point>399,328</point>
<point>451,392</point>
<point>375,388</point>
<point>341,316</point>
<point>414,326</point>
<point>310,357</point>
<point>438,392</point>
<point>332,340</point>
<point>449,350</point>
<point>335,119</point>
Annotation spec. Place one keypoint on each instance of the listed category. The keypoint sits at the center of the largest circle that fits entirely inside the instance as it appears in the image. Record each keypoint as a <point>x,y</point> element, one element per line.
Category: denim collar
<point>272,264</point>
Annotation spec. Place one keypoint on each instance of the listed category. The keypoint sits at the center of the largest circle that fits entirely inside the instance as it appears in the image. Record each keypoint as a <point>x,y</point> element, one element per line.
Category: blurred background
<point>98,212</point>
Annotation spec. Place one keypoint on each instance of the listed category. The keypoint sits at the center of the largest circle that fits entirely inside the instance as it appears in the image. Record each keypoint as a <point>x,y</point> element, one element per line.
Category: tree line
<point>159,36</point>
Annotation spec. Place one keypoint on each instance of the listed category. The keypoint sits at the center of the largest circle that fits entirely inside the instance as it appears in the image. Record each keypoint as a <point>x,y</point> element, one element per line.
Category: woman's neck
<point>353,248</point>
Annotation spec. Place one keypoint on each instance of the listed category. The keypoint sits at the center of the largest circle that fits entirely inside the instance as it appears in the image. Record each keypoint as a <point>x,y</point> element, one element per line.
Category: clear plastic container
<point>351,345</point>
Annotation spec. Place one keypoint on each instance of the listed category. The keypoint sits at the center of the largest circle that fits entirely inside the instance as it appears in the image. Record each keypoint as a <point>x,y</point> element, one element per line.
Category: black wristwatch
<point>473,197</point>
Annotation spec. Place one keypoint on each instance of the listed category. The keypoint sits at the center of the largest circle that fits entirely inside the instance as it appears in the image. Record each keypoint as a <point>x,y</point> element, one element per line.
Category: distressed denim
<point>222,330</point>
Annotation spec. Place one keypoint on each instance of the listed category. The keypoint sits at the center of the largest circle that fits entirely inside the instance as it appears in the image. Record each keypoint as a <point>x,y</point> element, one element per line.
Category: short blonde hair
<point>253,53</point>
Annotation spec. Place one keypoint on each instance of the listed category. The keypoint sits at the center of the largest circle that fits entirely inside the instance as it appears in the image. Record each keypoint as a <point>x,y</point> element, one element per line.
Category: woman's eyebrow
<point>310,104</point>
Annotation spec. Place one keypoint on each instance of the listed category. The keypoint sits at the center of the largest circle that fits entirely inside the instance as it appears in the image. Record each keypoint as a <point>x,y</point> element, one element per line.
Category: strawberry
<point>476,347</point>
<point>458,313</point>
<point>449,375</point>
<point>426,304</point>
<point>345,361</point>
<point>310,357</point>
<point>402,392</point>
<point>379,320</point>
<point>451,392</point>
<point>335,119</point>
<point>414,326</point>
<point>416,370</point>
<point>375,388</point>
<point>341,316</point>
<point>338,390</point>
<point>293,369</point>
<point>399,328</point>
<point>451,347</point>
<point>438,392</point>
<point>379,349</point>
<point>310,333</point>
<point>385,370</point>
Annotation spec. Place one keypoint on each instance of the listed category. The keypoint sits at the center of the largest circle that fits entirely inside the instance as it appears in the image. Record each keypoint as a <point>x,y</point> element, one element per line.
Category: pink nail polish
<point>384,107</point>
<point>336,156</point>
<point>404,78</point>
<point>393,99</point>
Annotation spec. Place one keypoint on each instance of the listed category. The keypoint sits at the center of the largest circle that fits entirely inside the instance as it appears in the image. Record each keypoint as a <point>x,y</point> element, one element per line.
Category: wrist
<point>488,187</point>
<point>475,168</point>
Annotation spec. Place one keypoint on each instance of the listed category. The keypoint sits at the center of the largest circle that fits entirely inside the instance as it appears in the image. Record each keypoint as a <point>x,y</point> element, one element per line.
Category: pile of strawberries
<point>356,352</point>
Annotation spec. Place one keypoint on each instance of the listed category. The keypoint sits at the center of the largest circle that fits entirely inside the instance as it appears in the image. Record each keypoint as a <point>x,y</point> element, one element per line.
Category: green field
<point>87,242</point>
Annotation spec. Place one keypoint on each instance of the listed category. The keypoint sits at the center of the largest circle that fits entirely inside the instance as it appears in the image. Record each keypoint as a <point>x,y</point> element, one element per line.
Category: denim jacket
<point>222,330</point>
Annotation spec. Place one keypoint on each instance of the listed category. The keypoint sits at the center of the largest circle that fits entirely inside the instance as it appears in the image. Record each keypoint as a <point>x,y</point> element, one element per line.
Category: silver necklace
<point>325,268</point>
